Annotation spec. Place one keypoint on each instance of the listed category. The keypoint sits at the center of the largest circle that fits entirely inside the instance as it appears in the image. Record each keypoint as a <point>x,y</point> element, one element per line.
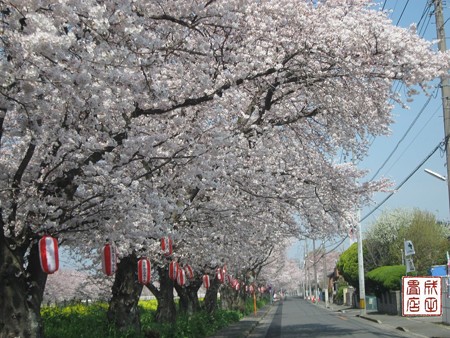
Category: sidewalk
<point>245,326</point>
<point>429,327</point>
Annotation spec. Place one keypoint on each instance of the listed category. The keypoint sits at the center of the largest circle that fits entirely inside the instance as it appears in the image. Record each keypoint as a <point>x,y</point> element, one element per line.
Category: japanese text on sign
<point>421,296</point>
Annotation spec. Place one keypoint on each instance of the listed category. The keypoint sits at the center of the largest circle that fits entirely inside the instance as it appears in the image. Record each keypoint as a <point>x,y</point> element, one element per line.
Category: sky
<point>416,132</point>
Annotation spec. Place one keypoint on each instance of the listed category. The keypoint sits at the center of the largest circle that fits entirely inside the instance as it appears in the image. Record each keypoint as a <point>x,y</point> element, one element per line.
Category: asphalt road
<point>296,317</point>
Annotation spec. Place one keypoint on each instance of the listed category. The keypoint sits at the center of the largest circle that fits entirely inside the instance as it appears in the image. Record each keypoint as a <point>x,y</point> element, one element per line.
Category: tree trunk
<point>166,311</point>
<point>189,302</point>
<point>21,290</point>
<point>210,301</point>
<point>230,299</point>
<point>123,309</point>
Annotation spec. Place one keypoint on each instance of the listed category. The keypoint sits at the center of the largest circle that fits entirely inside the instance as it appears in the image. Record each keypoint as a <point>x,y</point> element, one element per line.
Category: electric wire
<point>404,136</point>
<point>440,144</point>
<point>424,13</point>
<point>400,84</point>
<point>439,108</point>
<point>403,11</point>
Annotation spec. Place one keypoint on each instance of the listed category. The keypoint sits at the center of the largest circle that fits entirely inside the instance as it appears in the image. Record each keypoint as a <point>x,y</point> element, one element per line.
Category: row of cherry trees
<point>215,122</point>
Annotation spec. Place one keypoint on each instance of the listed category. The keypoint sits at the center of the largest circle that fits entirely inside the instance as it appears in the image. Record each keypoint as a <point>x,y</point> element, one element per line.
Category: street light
<point>432,173</point>
<point>362,287</point>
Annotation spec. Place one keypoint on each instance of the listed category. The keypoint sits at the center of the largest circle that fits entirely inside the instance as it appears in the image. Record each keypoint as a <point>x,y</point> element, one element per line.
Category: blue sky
<point>404,150</point>
<point>411,147</point>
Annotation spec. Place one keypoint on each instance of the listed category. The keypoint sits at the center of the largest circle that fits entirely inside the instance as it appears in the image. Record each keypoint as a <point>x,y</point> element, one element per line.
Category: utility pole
<point>305,257</point>
<point>445,93</point>
<point>325,277</point>
<point>315,270</point>
<point>445,89</point>
<point>362,288</point>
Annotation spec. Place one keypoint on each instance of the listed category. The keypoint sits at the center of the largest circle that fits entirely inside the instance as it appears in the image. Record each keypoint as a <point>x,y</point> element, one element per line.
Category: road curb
<point>401,328</point>
<point>256,323</point>
<point>371,319</point>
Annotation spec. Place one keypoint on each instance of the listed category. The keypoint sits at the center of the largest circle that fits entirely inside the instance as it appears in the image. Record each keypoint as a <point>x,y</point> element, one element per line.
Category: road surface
<point>295,317</point>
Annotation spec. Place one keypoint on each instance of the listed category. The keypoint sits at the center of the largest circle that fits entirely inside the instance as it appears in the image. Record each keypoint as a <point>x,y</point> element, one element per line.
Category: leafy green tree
<point>383,243</point>
<point>385,240</point>
<point>430,240</point>
<point>348,265</point>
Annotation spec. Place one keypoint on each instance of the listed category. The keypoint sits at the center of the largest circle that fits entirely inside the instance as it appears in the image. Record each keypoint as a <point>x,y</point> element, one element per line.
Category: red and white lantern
<point>229,279</point>
<point>166,246</point>
<point>189,272</point>
<point>173,270</point>
<point>206,281</point>
<point>220,275</point>
<point>144,271</point>
<point>181,277</point>
<point>109,259</point>
<point>48,254</point>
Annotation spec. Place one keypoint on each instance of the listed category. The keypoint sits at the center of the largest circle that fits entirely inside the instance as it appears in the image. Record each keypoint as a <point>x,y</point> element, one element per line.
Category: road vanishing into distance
<point>295,317</point>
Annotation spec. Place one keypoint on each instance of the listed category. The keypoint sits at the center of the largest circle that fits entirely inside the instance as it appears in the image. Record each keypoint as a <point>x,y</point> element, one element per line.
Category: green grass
<point>79,320</point>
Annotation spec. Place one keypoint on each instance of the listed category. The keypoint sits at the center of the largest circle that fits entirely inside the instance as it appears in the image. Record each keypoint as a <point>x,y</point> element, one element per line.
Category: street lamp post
<point>432,173</point>
<point>362,288</point>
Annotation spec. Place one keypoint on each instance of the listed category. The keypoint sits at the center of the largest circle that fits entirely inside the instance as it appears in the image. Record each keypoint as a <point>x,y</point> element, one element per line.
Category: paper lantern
<point>206,281</point>
<point>235,284</point>
<point>229,279</point>
<point>189,272</point>
<point>220,275</point>
<point>166,246</point>
<point>144,271</point>
<point>109,259</point>
<point>48,254</point>
<point>181,277</point>
<point>173,270</point>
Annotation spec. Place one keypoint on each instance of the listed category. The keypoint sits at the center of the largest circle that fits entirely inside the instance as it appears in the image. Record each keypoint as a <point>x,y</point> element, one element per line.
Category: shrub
<point>385,278</point>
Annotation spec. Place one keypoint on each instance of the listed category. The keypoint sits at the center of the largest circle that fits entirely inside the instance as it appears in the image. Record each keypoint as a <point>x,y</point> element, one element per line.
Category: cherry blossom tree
<point>213,121</point>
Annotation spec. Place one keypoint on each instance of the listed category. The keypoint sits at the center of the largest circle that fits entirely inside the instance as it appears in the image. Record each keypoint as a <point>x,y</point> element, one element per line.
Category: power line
<point>399,84</point>
<point>403,11</point>
<point>441,144</point>
<point>425,13</point>
<point>404,135</point>
<point>439,108</point>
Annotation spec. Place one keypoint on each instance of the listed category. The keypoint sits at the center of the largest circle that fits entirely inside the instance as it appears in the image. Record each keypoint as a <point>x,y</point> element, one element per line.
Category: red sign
<point>422,296</point>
